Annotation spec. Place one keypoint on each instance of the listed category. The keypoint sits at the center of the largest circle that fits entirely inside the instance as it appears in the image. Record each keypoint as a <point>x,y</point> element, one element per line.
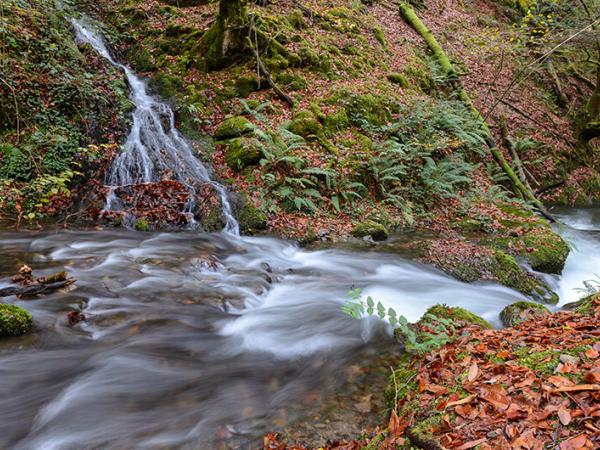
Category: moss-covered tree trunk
<point>590,127</point>
<point>225,41</point>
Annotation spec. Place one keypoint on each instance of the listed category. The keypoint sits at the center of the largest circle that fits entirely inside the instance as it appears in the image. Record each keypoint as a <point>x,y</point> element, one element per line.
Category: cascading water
<point>155,149</point>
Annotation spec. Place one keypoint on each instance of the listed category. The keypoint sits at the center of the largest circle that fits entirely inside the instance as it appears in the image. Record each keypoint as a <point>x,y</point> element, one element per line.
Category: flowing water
<point>155,149</point>
<point>209,340</point>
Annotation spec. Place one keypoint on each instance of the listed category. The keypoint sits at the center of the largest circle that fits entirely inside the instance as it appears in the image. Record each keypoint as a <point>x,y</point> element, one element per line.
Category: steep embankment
<point>62,112</point>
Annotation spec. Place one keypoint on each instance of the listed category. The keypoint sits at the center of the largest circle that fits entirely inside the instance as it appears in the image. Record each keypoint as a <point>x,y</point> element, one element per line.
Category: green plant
<point>439,330</point>
<point>590,287</point>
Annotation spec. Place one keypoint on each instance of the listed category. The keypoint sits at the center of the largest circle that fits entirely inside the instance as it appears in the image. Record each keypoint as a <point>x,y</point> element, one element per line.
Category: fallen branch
<point>409,15</point>
<point>263,70</point>
<point>36,289</point>
<point>510,145</point>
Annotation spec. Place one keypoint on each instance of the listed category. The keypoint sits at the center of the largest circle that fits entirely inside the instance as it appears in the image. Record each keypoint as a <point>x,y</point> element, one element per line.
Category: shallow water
<point>208,340</point>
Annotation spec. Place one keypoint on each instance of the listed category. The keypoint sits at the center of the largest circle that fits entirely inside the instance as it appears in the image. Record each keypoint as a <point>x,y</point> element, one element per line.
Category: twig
<point>262,69</point>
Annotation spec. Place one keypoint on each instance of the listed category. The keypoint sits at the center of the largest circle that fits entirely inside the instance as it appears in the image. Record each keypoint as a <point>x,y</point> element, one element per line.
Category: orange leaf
<point>564,415</point>
<point>580,442</point>
<point>496,395</point>
<point>394,423</point>
<point>467,399</point>
<point>591,353</point>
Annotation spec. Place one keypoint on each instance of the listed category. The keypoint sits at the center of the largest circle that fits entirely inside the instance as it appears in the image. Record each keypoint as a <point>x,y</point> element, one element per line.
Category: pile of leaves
<point>533,386</point>
<point>161,203</point>
<point>528,387</point>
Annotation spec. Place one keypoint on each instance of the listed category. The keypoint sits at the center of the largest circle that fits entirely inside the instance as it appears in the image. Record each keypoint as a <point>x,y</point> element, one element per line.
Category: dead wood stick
<point>262,69</point>
<point>35,289</point>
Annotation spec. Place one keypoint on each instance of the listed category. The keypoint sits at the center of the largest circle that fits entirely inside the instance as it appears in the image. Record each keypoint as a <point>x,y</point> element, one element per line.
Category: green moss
<point>543,362</point>
<point>399,79</point>
<point>14,321</point>
<point>520,312</point>
<point>213,222</point>
<point>305,124</point>
<point>234,127</point>
<point>245,85</point>
<point>584,306</point>
<point>380,36</point>
<point>252,219</point>
<point>369,110</point>
<point>296,20</point>
<point>370,228</point>
<point>243,152</point>
<point>549,250</point>
<point>458,314</point>
<point>142,225</point>
<point>402,383</point>
<point>506,270</point>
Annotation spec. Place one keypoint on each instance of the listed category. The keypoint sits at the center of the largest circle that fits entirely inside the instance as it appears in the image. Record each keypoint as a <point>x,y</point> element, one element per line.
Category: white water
<point>582,231</point>
<point>155,149</point>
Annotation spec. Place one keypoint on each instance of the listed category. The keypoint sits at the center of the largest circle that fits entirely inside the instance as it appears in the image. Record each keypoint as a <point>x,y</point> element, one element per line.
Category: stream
<point>210,340</point>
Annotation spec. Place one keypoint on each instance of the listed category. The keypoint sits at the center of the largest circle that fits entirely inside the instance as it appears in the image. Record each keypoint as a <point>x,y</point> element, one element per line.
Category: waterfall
<point>154,148</point>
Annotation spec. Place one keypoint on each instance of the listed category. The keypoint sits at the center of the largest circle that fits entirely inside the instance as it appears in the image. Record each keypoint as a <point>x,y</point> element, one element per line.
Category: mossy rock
<point>584,306</point>
<point>234,127</point>
<point>506,270</point>
<point>549,251</point>
<point>369,110</point>
<point>246,84</point>
<point>305,124</point>
<point>457,313</point>
<point>399,79</point>
<point>252,219</point>
<point>14,321</point>
<point>243,152</point>
<point>520,312</point>
<point>376,230</point>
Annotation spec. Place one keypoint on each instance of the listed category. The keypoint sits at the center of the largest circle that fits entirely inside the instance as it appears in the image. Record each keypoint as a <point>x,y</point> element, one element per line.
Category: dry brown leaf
<point>580,442</point>
<point>564,415</point>
<point>463,401</point>
<point>473,372</point>
<point>471,444</point>
<point>496,395</point>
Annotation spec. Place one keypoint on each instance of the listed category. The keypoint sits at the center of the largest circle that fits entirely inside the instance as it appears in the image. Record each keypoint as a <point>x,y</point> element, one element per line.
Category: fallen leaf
<point>496,395</point>
<point>564,415</point>
<point>580,442</point>
<point>471,444</point>
<point>463,401</point>
<point>473,372</point>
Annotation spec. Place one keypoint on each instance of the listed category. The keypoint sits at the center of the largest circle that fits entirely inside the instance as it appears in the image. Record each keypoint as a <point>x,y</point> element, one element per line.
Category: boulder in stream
<point>520,312</point>
<point>14,320</point>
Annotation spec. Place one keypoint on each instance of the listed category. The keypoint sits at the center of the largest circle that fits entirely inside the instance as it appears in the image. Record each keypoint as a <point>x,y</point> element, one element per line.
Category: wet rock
<point>520,312</point>
<point>74,317</point>
<point>370,228</point>
<point>14,320</point>
<point>584,306</point>
<point>252,219</point>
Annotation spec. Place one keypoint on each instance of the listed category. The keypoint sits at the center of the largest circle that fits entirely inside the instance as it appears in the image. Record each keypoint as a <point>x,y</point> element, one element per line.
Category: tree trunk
<point>225,41</point>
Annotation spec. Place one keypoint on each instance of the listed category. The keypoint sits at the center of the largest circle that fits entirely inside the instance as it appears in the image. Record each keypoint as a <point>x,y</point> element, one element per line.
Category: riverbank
<point>528,387</point>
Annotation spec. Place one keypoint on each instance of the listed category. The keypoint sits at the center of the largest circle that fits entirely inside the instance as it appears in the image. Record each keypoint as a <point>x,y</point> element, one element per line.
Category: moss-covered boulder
<point>584,306</point>
<point>376,230</point>
<point>243,152</point>
<point>14,321</point>
<point>520,312</point>
<point>252,219</point>
<point>305,124</point>
<point>457,314</point>
<point>546,251</point>
<point>234,127</point>
<point>470,262</point>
